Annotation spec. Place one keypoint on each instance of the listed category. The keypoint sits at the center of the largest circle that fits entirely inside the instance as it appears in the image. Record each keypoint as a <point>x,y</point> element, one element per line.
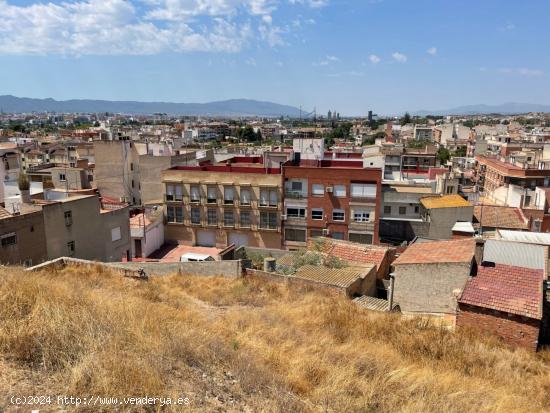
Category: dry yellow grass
<point>233,345</point>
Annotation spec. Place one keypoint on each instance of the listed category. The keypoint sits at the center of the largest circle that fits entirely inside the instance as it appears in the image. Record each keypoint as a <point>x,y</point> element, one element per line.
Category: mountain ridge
<point>507,108</point>
<point>230,107</point>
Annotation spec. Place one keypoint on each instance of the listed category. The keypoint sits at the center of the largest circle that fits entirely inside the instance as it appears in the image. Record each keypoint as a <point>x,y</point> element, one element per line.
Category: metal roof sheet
<point>514,253</point>
<point>524,236</point>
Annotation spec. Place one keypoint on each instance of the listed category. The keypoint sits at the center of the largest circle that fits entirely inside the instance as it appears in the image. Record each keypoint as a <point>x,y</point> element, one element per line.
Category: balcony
<point>295,195</point>
<point>367,226</point>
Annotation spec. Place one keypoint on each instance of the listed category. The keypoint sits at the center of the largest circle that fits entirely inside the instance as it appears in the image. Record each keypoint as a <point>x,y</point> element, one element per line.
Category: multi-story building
<point>334,196</point>
<point>416,162</point>
<point>236,202</point>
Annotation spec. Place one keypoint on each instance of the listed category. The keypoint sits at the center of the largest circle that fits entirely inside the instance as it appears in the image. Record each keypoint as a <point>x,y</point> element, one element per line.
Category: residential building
<point>441,213</point>
<point>489,218</point>
<point>430,276</point>
<point>334,196</point>
<point>506,301</point>
<point>22,236</point>
<point>236,202</point>
<point>423,133</point>
<point>146,232</point>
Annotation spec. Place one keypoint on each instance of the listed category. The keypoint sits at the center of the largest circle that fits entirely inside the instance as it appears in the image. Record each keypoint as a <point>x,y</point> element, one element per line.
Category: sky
<point>350,56</point>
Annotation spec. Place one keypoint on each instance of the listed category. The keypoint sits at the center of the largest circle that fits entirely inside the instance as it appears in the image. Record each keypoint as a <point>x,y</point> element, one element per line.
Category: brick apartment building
<point>329,194</point>
<point>236,202</point>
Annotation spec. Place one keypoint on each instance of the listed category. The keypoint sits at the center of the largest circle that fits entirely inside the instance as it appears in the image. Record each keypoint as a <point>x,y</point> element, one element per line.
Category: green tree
<point>443,155</point>
<point>406,119</point>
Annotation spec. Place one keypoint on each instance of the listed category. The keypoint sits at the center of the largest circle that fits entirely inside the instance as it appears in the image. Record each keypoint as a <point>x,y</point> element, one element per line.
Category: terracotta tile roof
<point>514,290</point>
<point>354,252</point>
<point>4,213</point>
<point>445,201</point>
<point>454,251</point>
<point>500,217</point>
<point>339,277</point>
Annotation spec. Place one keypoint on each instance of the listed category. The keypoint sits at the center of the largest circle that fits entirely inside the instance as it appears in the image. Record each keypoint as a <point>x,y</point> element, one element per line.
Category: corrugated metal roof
<point>524,236</point>
<point>463,227</point>
<point>514,253</point>
<point>373,303</point>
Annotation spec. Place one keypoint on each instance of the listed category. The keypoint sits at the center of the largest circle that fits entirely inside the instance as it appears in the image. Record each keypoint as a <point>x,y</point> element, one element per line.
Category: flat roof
<point>445,201</point>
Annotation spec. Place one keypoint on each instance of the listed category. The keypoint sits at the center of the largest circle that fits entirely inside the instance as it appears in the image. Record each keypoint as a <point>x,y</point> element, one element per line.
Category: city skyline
<point>348,56</point>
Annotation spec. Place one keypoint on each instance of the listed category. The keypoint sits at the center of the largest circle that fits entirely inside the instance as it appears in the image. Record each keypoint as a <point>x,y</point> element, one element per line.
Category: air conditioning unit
<point>283,217</point>
<point>325,231</point>
<point>330,189</point>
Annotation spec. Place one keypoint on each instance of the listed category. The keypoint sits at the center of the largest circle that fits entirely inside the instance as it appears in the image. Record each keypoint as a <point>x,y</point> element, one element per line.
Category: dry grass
<point>233,345</point>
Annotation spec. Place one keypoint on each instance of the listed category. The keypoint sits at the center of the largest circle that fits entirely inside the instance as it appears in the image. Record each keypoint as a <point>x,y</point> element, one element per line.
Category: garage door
<point>206,238</point>
<point>238,239</point>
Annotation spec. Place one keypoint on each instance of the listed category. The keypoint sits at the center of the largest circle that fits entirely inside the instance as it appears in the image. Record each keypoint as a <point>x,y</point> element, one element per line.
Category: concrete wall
<point>90,230</point>
<point>513,329</point>
<point>206,268</point>
<point>430,288</point>
<point>442,220</point>
<point>31,239</point>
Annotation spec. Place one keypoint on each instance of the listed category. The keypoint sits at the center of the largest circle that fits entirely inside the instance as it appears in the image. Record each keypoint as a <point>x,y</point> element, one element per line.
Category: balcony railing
<point>294,195</point>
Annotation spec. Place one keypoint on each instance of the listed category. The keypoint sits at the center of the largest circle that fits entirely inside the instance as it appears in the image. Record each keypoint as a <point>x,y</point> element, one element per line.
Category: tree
<point>406,119</point>
<point>443,155</point>
<point>460,152</point>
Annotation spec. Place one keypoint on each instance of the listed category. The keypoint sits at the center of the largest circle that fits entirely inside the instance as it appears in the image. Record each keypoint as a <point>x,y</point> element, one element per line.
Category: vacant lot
<point>233,345</point>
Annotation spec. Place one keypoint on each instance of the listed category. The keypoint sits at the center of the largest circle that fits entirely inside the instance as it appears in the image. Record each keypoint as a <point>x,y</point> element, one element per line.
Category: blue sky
<point>347,55</point>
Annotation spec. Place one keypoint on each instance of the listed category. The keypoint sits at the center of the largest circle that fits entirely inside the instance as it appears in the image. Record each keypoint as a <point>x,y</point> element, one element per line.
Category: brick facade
<point>513,329</point>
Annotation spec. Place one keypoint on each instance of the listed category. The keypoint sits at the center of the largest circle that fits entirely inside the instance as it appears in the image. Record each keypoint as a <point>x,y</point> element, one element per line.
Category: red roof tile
<point>500,217</point>
<point>457,251</point>
<point>514,290</point>
<point>354,252</point>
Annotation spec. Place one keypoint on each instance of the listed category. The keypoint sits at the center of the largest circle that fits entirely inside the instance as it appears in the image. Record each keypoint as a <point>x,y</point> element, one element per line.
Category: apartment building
<point>334,196</point>
<point>416,162</point>
<point>131,170</point>
<point>238,201</point>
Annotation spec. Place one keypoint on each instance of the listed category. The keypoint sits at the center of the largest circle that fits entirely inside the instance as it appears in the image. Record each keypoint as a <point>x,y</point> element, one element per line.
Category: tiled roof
<point>354,252</point>
<point>500,217</point>
<point>514,290</point>
<point>339,277</point>
<point>454,251</point>
<point>4,213</point>
<point>445,201</point>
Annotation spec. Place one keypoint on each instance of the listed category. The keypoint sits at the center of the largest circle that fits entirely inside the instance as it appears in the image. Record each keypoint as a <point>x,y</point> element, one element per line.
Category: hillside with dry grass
<point>236,345</point>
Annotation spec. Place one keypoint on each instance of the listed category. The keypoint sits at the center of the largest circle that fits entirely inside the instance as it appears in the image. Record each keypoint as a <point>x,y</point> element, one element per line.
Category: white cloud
<point>399,57</point>
<point>522,71</point>
<point>327,61</point>
<point>113,27</point>
<point>353,73</point>
<point>432,51</point>
<point>311,3</point>
<point>374,59</point>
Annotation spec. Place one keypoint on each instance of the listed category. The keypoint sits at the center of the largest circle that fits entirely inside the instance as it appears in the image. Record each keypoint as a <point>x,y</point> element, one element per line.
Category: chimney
<point>26,196</point>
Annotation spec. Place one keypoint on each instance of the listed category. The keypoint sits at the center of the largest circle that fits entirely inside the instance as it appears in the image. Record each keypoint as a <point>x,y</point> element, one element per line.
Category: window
<point>361,215</point>
<point>212,216</point>
<point>338,235</point>
<point>416,209</point>
<point>340,191</point>
<point>296,186</point>
<point>195,193</point>
<point>296,212</point>
<point>68,218</point>
<point>268,220</point>
<point>296,235</point>
<point>402,210</point>
<point>131,166</point>
<point>338,215</point>
<point>228,195</point>
<point>360,238</point>
<point>228,218</point>
<point>450,190</point>
<point>268,197</point>
<point>115,234</point>
<point>245,196</point>
<point>387,209</point>
<point>211,194</point>
<point>318,189</point>
<point>174,214</point>
<point>62,177</point>
<point>195,216</point>
<point>316,233</point>
<point>9,239</point>
<point>363,190</point>
<point>317,214</point>
<point>245,219</point>
<point>174,192</point>
<point>70,248</point>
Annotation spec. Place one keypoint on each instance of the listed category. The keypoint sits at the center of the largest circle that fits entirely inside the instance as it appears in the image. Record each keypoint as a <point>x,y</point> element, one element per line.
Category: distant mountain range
<point>510,108</point>
<point>233,107</point>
